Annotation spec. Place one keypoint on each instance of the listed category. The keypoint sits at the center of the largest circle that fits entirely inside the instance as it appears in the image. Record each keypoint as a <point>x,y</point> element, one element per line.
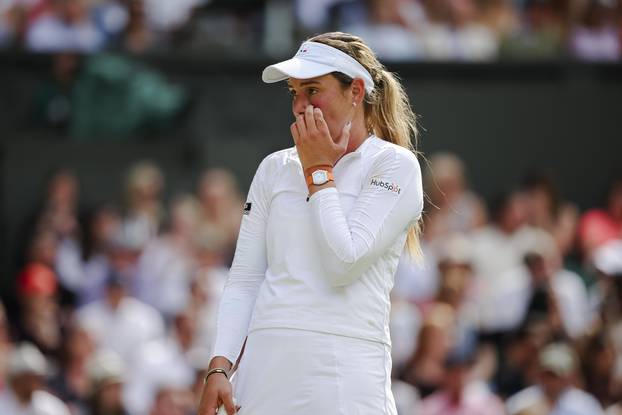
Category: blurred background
<point>130,131</point>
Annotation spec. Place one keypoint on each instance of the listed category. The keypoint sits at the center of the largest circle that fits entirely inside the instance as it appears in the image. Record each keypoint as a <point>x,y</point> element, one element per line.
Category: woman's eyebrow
<point>303,83</point>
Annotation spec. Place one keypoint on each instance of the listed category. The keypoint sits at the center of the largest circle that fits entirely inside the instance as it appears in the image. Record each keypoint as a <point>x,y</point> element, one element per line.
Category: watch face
<point>319,177</point>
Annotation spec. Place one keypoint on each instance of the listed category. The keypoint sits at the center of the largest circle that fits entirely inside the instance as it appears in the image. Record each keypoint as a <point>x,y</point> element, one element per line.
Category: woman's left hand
<point>313,140</point>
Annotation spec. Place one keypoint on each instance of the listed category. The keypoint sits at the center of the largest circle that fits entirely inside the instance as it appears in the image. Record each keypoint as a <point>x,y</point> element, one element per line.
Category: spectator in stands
<point>106,372</point>
<point>460,394</point>
<point>39,317</point>
<point>541,34</point>
<point>453,32</point>
<point>600,225</point>
<point>510,239</point>
<point>425,370</point>
<point>100,227</point>
<point>546,210</point>
<point>119,322</point>
<point>608,262</point>
<point>167,263</point>
<point>13,21</point>
<point>144,212</point>
<point>67,27</point>
<point>72,382</point>
<point>554,393</point>
<point>221,210</point>
<point>543,289</point>
<point>42,248</point>
<point>206,287</point>
<point>137,36</point>
<point>453,208</point>
<point>595,38</point>
<point>170,401</point>
<point>598,360</point>
<point>517,365</point>
<point>25,394</point>
<point>391,28</point>
<point>501,16</point>
<point>165,363</point>
<point>558,294</point>
<point>59,209</point>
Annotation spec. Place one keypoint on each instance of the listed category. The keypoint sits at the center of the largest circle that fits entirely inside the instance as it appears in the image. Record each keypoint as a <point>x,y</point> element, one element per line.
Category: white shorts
<point>290,371</point>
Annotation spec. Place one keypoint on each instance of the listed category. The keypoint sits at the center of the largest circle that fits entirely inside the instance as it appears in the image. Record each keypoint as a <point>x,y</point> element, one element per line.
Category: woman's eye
<point>292,92</point>
<point>312,91</point>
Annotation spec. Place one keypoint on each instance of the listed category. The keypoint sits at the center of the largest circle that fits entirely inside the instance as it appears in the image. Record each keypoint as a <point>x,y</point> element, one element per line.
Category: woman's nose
<point>300,105</point>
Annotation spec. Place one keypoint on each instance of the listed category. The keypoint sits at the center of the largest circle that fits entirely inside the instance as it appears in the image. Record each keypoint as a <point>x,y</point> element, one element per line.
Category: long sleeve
<point>390,200</point>
<point>247,272</point>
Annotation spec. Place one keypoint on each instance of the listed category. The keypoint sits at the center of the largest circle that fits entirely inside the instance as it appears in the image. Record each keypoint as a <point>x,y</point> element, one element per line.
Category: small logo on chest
<point>247,208</point>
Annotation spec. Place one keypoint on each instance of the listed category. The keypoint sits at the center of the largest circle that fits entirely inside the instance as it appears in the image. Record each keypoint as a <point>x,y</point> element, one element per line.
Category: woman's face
<point>326,93</point>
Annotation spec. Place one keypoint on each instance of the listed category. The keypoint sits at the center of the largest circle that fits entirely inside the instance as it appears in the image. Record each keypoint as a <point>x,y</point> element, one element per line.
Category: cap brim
<point>295,68</point>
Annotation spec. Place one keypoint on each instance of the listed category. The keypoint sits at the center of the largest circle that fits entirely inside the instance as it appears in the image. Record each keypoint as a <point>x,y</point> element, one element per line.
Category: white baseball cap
<point>317,59</point>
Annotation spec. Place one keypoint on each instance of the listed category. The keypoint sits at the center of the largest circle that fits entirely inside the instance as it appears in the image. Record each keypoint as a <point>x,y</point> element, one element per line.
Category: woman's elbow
<point>341,274</point>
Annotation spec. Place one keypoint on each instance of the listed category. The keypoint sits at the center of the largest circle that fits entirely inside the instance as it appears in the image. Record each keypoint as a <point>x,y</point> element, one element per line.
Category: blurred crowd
<point>514,308</point>
<point>113,307</point>
<point>400,30</point>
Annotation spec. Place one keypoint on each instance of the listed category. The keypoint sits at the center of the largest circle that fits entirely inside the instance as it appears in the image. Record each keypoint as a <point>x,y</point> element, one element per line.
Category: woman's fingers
<point>227,400</point>
<point>320,123</point>
<point>294,129</point>
<point>302,128</point>
<point>342,141</point>
<point>208,404</point>
<point>310,122</point>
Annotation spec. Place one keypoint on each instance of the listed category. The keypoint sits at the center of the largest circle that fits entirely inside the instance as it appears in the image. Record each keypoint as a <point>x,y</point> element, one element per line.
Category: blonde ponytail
<point>387,109</point>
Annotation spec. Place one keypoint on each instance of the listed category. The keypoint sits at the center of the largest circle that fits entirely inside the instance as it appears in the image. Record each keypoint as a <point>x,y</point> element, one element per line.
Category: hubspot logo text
<point>392,187</point>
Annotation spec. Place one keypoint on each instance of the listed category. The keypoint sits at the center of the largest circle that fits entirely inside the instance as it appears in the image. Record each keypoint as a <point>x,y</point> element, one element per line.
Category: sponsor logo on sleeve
<point>247,208</point>
<point>391,186</point>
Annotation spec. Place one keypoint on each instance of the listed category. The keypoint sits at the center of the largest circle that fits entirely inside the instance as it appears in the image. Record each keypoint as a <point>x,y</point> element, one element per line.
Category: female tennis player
<point>324,225</point>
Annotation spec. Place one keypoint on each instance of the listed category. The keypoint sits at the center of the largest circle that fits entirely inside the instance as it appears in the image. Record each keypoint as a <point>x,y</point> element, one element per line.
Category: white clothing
<point>416,281</point>
<point>87,278</point>
<point>495,254</point>
<point>325,265</point>
<point>407,398</point>
<point>42,403</point>
<point>51,34</point>
<point>211,281</point>
<point>389,41</point>
<point>573,401</point>
<point>123,330</point>
<point>512,300</point>
<point>472,42</point>
<point>290,371</point>
<point>163,275</point>
<point>405,325</point>
<point>68,264</point>
<point>159,363</point>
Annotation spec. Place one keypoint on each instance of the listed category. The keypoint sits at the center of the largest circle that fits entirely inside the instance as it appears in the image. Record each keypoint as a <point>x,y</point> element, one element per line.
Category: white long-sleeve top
<point>326,264</point>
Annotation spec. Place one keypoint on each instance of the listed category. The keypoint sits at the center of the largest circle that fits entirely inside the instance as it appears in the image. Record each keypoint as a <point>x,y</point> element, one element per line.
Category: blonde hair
<point>388,113</point>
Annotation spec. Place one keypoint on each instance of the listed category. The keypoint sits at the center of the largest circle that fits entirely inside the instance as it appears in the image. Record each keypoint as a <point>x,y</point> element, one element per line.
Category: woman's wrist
<point>308,170</point>
<point>214,372</point>
<point>220,362</point>
<point>315,188</point>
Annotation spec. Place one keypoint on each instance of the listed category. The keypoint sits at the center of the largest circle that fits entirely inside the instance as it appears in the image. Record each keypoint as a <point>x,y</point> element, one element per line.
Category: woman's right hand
<point>216,392</point>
